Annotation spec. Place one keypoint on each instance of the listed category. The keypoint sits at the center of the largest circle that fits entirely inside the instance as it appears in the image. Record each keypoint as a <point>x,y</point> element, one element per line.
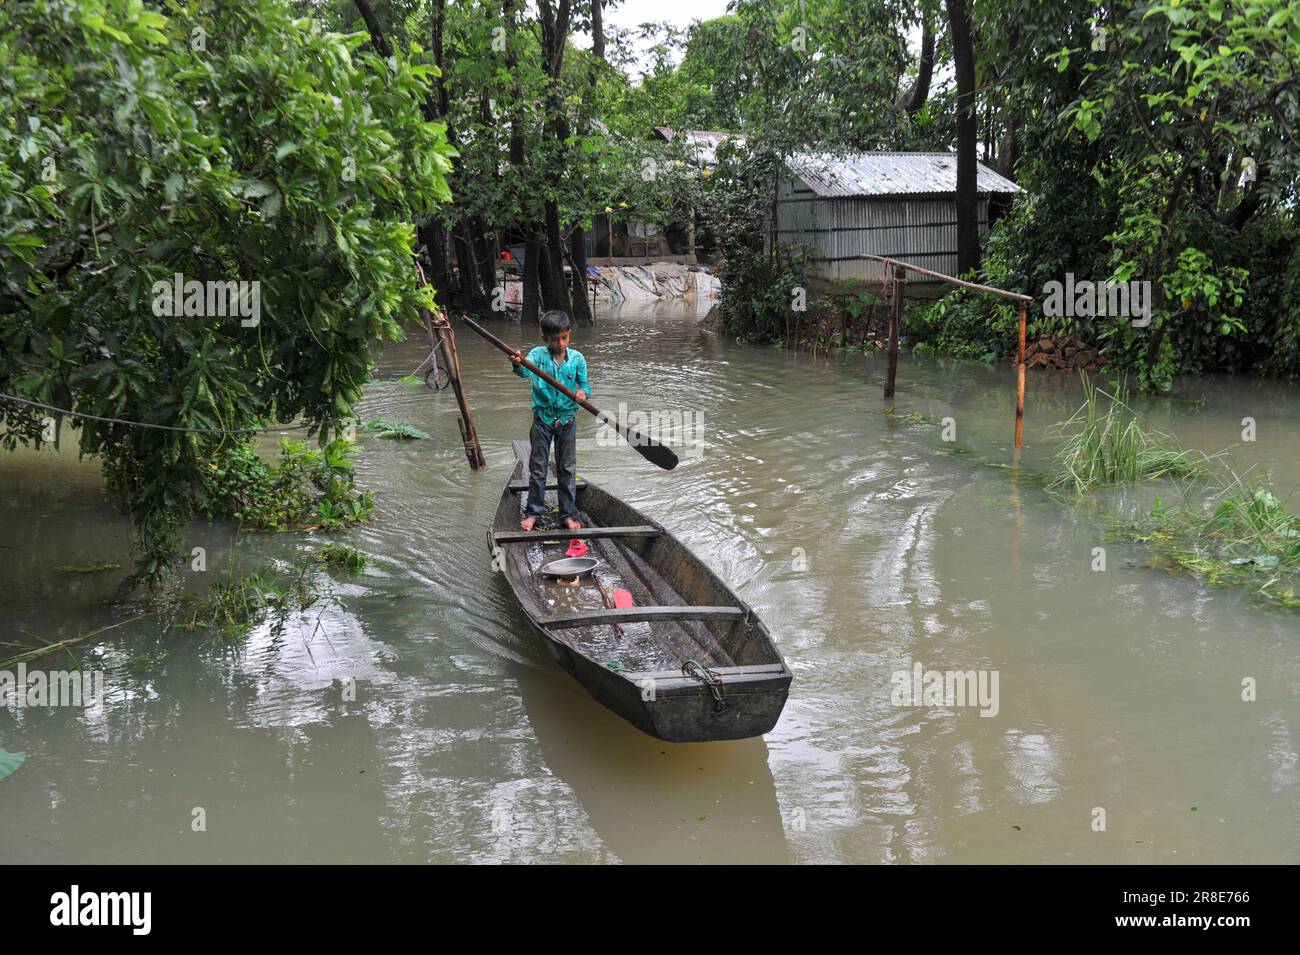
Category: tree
<point>968,235</point>
<point>227,143</point>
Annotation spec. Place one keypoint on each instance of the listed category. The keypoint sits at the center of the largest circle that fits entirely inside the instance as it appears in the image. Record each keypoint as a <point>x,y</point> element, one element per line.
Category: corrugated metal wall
<point>921,230</point>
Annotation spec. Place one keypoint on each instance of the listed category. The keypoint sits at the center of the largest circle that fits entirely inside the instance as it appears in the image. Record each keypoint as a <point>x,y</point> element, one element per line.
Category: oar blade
<point>658,454</point>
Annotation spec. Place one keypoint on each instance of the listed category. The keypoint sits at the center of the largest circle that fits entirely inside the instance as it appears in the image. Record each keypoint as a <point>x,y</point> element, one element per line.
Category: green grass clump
<point>1104,448</point>
<point>342,557</point>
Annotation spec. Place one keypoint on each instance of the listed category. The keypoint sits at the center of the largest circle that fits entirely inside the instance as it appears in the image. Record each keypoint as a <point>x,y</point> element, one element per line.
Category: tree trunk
<point>968,235</point>
<point>555,33</point>
<point>554,292</point>
<point>459,258</point>
<point>485,259</point>
<point>916,96</point>
<point>1009,151</point>
<point>581,307</point>
<point>578,237</point>
<point>532,269</point>
<point>382,46</point>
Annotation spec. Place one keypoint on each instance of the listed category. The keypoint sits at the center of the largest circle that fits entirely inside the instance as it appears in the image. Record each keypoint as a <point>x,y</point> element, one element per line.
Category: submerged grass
<point>236,605</point>
<point>342,557</point>
<point>1228,529</point>
<point>1105,448</point>
<point>1240,535</point>
<point>90,567</point>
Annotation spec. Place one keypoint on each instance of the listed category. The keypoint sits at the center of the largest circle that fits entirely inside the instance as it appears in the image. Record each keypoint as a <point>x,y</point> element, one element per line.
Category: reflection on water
<point>414,719</point>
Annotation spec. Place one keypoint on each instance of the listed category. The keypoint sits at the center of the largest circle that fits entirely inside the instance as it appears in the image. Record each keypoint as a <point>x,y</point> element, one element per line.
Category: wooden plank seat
<point>593,618</point>
<point>555,533</point>
<point>550,485</point>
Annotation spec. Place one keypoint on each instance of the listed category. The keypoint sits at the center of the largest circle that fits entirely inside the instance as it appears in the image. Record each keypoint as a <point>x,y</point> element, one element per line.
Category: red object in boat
<point>622,599</point>
<point>577,548</point>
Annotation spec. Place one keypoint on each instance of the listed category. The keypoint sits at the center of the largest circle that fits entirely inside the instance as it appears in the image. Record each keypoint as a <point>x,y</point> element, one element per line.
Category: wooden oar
<point>644,445</point>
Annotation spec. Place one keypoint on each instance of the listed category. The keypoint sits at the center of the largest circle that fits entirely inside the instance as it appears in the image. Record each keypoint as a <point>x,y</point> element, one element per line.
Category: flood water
<point>866,542</point>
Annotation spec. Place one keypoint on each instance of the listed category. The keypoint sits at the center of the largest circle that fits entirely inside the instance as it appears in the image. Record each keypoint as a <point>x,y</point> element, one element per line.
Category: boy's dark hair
<point>554,322</point>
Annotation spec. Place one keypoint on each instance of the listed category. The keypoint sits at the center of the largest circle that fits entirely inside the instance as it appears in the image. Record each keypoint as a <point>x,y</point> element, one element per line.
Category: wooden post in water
<point>895,317</point>
<point>468,436</point>
<point>447,345</point>
<point>1020,379</point>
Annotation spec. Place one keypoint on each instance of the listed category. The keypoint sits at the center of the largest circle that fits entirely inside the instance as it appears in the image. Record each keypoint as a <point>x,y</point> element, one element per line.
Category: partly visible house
<point>897,204</point>
<point>632,239</point>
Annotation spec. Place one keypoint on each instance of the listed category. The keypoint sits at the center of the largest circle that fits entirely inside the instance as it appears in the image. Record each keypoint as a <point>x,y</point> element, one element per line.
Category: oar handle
<point>513,353</point>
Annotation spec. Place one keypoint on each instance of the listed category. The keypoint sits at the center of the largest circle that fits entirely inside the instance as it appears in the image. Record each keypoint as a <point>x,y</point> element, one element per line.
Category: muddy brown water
<point>866,542</point>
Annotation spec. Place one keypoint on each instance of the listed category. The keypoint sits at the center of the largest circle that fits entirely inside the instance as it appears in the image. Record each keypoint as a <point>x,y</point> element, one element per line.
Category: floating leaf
<point>393,430</point>
<point>10,762</point>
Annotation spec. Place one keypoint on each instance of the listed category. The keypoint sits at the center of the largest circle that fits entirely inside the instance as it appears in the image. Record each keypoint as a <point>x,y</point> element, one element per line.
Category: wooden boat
<point>689,662</point>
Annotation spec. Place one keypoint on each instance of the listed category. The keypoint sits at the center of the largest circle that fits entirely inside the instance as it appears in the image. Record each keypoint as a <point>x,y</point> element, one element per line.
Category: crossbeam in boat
<point>517,537</point>
<point>593,618</point>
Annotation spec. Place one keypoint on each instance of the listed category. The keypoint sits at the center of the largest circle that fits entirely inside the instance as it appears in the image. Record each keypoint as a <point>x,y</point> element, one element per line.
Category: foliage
<point>965,324</point>
<point>1159,146</point>
<point>222,142</point>
<point>304,489</point>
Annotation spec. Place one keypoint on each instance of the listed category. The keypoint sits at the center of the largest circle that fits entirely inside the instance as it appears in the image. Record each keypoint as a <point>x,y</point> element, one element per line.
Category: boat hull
<point>737,693</point>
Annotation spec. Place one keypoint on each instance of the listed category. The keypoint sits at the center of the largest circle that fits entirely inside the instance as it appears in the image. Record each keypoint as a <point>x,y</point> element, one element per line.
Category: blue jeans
<point>565,437</point>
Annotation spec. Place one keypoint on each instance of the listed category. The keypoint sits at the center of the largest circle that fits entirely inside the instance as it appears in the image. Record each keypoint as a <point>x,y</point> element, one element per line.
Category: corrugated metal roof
<point>889,174</point>
<point>701,143</point>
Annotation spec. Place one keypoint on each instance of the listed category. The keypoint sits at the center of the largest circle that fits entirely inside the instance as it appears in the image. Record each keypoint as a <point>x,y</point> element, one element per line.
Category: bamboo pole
<point>1016,296</point>
<point>468,436</point>
<point>447,344</point>
<point>1020,379</point>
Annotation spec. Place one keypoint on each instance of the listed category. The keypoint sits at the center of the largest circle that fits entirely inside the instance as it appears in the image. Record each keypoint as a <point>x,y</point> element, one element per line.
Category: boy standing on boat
<point>554,419</point>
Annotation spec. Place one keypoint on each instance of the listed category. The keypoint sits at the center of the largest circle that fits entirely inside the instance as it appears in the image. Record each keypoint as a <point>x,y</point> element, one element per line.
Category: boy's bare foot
<point>572,523</point>
<point>529,522</point>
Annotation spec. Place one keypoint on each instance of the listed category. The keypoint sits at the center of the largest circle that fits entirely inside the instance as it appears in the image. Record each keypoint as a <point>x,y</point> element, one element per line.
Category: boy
<point>554,419</point>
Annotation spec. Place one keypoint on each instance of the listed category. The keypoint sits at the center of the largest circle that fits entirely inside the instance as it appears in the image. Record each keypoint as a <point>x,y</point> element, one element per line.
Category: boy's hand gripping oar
<point>647,447</point>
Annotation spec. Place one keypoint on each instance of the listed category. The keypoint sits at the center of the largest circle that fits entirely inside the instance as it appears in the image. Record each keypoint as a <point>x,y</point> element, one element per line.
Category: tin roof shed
<point>890,174</point>
<point>895,204</point>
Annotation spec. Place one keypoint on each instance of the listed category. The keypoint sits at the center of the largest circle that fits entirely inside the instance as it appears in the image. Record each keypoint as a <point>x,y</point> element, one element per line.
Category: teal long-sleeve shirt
<point>549,404</point>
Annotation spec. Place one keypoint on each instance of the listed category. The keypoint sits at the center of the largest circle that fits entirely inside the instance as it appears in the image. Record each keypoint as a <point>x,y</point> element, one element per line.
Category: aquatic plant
<point>394,430</point>
<point>1241,534</point>
<point>89,567</point>
<point>303,489</point>
<point>237,604</point>
<point>343,557</point>
<point>9,762</point>
<point>1103,448</point>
